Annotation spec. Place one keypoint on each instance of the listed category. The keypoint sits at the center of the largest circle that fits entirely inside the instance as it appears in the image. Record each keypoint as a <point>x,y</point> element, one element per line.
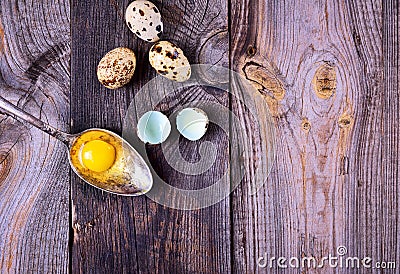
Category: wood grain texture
<point>34,172</point>
<point>136,235</point>
<point>327,70</point>
<point>329,73</point>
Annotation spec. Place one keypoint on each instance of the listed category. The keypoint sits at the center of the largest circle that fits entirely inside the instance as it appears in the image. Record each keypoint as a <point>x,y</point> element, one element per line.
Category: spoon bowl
<point>129,175</point>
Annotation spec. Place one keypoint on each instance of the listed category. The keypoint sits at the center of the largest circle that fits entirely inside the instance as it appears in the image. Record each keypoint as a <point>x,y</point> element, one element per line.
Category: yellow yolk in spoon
<point>98,155</point>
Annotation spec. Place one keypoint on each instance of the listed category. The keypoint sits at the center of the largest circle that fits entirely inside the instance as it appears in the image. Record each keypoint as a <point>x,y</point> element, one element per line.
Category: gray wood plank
<point>336,177</point>
<point>119,234</point>
<point>329,73</point>
<point>34,171</point>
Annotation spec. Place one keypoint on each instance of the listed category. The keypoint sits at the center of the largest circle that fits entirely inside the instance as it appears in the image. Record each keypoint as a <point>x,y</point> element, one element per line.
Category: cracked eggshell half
<point>116,68</point>
<point>153,128</point>
<point>144,19</point>
<point>169,61</point>
<point>192,123</point>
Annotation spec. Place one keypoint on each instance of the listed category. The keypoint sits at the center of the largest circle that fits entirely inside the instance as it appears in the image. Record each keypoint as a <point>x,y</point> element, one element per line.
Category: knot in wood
<point>324,81</point>
<point>251,51</point>
<point>264,80</point>
<point>6,164</point>
<point>345,121</point>
<point>305,125</point>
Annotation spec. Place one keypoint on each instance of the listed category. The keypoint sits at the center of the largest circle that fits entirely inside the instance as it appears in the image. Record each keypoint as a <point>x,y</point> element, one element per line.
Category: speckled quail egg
<point>192,123</point>
<point>169,61</point>
<point>153,127</point>
<point>116,68</point>
<point>144,19</point>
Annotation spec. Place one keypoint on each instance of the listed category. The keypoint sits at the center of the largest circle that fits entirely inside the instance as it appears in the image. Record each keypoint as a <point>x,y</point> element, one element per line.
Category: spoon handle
<point>8,108</point>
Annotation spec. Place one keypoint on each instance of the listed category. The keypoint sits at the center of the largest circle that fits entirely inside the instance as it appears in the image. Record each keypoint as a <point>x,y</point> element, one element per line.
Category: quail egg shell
<point>144,19</point>
<point>153,127</point>
<point>169,61</point>
<point>192,123</point>
<point>116,68</point>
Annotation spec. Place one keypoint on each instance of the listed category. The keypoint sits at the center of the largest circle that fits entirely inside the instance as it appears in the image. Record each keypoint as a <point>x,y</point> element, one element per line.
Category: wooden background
<point>328,71</point>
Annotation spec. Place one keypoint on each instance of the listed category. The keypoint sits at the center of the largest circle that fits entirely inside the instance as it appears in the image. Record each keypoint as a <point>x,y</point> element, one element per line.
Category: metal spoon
<point>129,176</point>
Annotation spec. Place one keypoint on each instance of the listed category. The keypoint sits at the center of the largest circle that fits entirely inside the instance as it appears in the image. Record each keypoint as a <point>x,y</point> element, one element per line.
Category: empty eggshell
<point>153,127</point>
<point>144,19</point>
<point>116,68</point>
<point>169,61</point>
<point>192,123</point>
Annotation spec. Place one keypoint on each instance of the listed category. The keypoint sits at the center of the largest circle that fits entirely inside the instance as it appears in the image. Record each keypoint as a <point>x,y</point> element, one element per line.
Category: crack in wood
<point>344,165</point>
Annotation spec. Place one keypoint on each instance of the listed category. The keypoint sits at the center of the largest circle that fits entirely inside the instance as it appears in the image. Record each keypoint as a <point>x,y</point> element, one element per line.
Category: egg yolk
<point>98,155</point>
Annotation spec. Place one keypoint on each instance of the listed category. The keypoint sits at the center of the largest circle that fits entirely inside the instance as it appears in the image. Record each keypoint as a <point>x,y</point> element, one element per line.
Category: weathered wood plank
<point>34,171</point>
<point>373,212</point>
<point>336,179</point>
<point>329,73</point>
<point>115,234</point>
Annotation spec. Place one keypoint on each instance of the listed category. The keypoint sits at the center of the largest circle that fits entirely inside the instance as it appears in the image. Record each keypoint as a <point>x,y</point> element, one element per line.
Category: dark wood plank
<point>329,73</point>
<point>34,171</point>
<point>118,234</point>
